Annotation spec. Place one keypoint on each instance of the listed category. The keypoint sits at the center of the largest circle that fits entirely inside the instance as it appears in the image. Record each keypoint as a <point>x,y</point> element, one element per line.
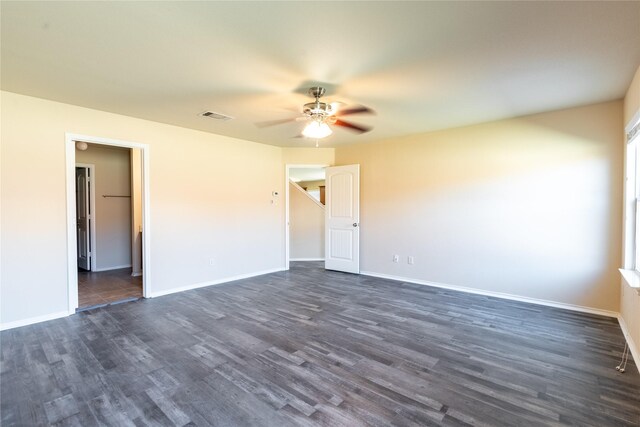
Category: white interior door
<point>83,216</point>
<point>342,219</point>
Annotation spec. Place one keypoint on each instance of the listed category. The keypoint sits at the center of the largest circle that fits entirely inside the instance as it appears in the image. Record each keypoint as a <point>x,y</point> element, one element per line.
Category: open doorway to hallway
<point>305,213</point>
<point>108,224</point>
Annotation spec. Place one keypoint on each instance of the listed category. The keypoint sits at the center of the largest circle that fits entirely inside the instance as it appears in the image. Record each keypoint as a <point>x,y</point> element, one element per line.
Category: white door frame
<point>72,261</point>
<point>92,206</point>
<point>286,204</point>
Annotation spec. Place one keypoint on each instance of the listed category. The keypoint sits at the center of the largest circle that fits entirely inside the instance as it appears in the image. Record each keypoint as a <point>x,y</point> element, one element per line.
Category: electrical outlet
<point>410,260</point>
<point>396,258</point>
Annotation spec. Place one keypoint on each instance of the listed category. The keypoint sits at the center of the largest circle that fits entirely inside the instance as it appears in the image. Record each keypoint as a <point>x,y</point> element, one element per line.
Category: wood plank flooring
<point>106,287</point>
<point>309,347</point>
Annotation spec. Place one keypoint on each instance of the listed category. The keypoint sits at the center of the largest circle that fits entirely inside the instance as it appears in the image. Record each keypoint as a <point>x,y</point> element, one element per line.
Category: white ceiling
<point>421,66</point>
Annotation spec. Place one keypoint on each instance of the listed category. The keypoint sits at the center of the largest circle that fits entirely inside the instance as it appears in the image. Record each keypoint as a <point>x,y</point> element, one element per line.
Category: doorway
<point>85,208</point>
<point>105,209</point>
<point>304,200</point>
<point>108,218</point>
<point>340,225</point>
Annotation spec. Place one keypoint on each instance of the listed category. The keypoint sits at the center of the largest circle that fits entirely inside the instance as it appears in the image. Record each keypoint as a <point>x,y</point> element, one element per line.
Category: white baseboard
<point>306,259</point>
<point>44,318</point>
<point>115,267</point>
<point>635,350</point>
<point>32,320</point>
<point>214,282</point>
<point>537,301</point>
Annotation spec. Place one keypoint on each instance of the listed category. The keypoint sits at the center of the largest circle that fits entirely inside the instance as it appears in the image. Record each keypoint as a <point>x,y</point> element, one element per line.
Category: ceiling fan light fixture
<point>319,115</point>
<point>317,130</point>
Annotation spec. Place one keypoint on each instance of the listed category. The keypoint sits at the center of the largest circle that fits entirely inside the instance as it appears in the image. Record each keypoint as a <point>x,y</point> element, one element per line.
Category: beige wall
<point>529,207</point>
<point>632,99</point>
<point>308,156</point>
<point>203,204</point>
<point>629,299</point>
<point>306,218</point>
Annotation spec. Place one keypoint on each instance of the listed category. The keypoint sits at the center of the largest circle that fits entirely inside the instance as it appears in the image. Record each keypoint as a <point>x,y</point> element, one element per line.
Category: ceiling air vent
<point>214,115</point>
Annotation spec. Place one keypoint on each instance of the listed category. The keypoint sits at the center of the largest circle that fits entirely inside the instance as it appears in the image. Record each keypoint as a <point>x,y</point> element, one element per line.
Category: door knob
<point>355,224</point>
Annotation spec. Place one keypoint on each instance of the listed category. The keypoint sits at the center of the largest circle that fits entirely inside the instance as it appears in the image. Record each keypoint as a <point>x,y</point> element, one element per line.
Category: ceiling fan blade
<point>355,110</point>
<point>351,126</point>
<point>275,122</point>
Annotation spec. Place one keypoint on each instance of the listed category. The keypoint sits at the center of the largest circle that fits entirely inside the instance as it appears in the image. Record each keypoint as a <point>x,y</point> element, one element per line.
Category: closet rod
<point>108,195</point>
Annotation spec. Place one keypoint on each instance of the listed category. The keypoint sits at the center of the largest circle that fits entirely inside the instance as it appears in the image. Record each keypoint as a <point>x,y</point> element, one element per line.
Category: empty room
<point>319,213</point>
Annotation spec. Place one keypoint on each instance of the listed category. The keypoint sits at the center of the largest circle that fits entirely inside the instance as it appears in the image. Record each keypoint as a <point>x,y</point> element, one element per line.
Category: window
<point>634,182</point>
<point>631,268</point>
<point>632,199</point>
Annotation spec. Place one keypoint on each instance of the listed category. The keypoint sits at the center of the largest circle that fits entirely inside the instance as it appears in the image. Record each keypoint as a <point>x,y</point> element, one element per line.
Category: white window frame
<point>633,181</point>
<point>631,260</point>
<point>632,195</point>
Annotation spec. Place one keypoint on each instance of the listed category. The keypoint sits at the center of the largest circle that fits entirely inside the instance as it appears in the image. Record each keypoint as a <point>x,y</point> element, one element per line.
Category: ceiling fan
<point>321,115</point>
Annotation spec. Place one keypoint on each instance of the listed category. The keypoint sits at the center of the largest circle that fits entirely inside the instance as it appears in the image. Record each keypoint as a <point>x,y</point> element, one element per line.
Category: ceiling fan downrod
<point>317,92</point>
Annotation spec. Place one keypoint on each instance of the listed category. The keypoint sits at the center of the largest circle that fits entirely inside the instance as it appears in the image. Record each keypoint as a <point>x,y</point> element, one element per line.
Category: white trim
<point>72,263</point>
<point>92,205</point>
<point>286,206</point>
<point>631,278</point>
<point>214,282</point>
<point>306,259</point>
<point>306,193</point>
<point>635,350</point>
<point>32,320</point>
<point>146,222</point>
<point>72,245</point>
<point>635,121</point>
<point>501,295</point>
<point>115,267</point>
<point>628,207</point>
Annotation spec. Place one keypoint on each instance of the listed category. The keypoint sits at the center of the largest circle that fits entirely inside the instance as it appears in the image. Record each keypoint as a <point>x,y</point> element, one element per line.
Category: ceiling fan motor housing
<point>317,109</point>
<point>317,91</point>
<point>321,114</point>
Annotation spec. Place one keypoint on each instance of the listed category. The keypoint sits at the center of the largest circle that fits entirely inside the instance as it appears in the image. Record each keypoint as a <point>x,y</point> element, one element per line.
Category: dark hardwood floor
<point>309,347</point>
<point>107,287</point>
